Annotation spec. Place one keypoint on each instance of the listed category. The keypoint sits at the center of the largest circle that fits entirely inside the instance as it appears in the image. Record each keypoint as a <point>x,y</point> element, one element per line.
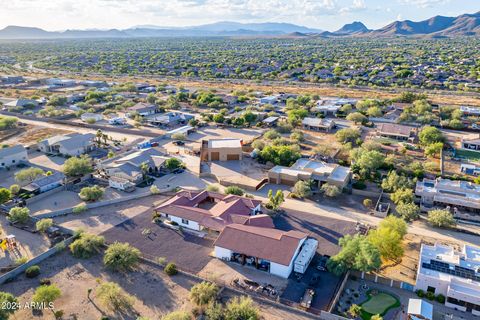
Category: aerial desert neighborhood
<point>233,160</point>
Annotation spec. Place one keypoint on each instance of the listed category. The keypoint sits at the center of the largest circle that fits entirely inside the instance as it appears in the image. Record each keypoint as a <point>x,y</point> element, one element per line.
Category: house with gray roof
<point>318,124</point>
<point>74,144</point>
<point>46,183</point>
<point>12,156</point>
<point>129,167</point>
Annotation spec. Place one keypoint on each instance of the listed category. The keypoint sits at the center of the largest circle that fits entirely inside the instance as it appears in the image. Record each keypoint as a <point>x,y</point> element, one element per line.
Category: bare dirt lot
<point>155,293</point>
<point>406,270</point>
<point>31,134</point>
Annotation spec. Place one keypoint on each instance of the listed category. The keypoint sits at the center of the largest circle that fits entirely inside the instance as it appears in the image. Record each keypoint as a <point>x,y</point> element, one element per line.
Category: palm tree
<point>99,136</point>
<point>144,167</point>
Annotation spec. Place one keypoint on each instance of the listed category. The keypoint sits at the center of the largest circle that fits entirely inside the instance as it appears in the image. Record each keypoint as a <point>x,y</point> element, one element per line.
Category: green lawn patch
<point>467,154</point>
<point>378,303</point>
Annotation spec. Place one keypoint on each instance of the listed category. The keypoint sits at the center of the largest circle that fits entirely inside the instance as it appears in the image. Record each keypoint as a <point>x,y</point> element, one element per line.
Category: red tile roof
<point>184,205</point>
<point>266,243</point>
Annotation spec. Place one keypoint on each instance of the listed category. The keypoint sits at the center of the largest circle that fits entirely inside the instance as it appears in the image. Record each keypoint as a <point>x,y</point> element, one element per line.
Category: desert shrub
<point>171,269</point>
<point>32,272</point>
<point>121,257</point>
<point>440,298</point>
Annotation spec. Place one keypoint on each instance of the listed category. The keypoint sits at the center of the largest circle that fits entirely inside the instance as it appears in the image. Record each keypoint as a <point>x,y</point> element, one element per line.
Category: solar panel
<point>445,268</point>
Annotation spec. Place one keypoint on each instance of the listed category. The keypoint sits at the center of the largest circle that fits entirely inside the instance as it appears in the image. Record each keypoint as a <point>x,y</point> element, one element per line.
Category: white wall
<point>191,224</point>
<point>424,281</point>
<point>222,253</point>
<point>280,270</point>
<point>14,159</point>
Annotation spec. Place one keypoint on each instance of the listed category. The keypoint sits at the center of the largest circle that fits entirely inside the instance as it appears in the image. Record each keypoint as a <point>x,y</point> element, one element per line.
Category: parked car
<point>179,143</point>
<point>322,265</point>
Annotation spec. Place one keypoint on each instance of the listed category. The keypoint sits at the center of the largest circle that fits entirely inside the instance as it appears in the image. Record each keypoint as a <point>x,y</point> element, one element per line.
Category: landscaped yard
<point>378,303</point>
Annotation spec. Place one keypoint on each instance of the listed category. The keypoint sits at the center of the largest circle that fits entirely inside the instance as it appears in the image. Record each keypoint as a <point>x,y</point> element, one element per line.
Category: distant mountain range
<point>438,26</point>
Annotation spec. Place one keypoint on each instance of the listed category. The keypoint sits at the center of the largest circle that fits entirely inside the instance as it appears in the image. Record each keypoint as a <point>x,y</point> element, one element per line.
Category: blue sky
<point>121,14</point>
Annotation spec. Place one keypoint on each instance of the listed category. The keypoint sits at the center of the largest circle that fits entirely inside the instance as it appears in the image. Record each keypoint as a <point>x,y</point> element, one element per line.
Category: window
<point>431,289</point>
<point>166,215</point>
<point>184,221</point>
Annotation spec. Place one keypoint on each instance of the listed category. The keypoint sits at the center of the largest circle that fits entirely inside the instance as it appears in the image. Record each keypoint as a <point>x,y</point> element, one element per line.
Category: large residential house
<point>221,150</point>
<point>396,131</point>
<point>463,196</point>
<point>454,274</point>
<point>310,170</point>
<point>73,144</point>
<point>268,249</point>
<point>128,168</point>
<point>12,156</point>
<point>318,124</point>
<point>142,109</point>
<point>211,211</point>
<point>170,119</point>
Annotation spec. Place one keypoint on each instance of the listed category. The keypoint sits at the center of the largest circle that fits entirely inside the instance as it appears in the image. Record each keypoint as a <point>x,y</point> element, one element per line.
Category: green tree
<point>408,211</point>
<point>249,117</point>
<point>203,293</point>
<point>275,201</point>
<point>368,162</point>
<point>87,245</point>
<point>219,118</point>
<point>173,164</point>
<point>441,218</point>
<point>46,294</point>
<point>394,224</point>
<point>19,215</point>
<point>28,175</point>
<point>77,166</point>
<point>91,193</point>
<point>394,181</point>
<point>331,190</point>
<point>402,195</point>
<point>347,135</point>
<point>302,189</point>
<point>433,149</point>
<point>388,243</point>
<point>14,189</point>
<point>234,190</point>
<point>214,311</point>
<point>241,308</point>
<point>9,305</point>
<point>430,135</point>
<point>356,253</point>
<point>177,315</point>
<point>113,297</point>
<point>121,257</point>
<point>376,317</point>
<point>258,144</point>
<point>44,224</point>
<point>5,195</point>
<point>271,134</point>
<point>280,155</point>
<point>357,117</point>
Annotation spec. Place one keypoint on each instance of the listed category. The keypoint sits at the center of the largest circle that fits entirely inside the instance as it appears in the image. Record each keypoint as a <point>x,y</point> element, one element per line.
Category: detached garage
<point>266,249</point>
<point>221,150</point>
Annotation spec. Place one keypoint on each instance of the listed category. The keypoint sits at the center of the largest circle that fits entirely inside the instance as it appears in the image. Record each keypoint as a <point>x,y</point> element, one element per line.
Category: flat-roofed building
<point>461,195</point>
<point>470,111</point>
<point>221,150</point>
<point>472,144</point>
<point>454,274</point>
<point>305,170</point>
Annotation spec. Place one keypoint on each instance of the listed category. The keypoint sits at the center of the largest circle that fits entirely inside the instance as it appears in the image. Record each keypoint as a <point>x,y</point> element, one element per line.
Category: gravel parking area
<point>189,252</point>
<point>326,230</point>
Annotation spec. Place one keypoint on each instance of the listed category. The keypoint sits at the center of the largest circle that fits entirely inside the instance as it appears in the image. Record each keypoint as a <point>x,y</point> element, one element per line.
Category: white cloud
<point>423,3</point>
